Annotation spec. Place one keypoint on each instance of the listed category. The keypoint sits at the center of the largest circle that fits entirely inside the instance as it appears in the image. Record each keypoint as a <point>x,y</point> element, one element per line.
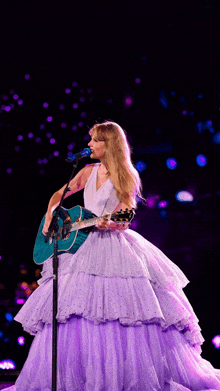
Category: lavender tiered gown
<point>124,321</point>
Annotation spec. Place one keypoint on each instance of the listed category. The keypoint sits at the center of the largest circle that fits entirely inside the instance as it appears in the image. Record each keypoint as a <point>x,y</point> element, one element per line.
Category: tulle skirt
<point>124,322</point>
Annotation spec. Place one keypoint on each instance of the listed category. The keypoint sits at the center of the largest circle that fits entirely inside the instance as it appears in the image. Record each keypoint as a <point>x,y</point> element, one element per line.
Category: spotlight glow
<point>45,105</point>
<point>49,119</point>
<point>67,90</point>
<point>75,105</point>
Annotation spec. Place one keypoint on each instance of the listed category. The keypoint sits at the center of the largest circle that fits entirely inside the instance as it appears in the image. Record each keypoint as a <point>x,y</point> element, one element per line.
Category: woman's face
<point>97,147</point>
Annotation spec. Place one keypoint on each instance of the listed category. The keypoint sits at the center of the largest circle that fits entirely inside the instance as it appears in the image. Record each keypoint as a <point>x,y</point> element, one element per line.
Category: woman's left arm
<point>104,223</point>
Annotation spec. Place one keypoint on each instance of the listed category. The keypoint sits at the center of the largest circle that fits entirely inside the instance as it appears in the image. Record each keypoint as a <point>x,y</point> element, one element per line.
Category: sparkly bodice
<point>103,200</point>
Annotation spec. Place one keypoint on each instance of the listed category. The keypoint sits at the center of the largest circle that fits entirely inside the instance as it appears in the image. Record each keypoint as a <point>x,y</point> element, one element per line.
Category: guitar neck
<point>84,223</point>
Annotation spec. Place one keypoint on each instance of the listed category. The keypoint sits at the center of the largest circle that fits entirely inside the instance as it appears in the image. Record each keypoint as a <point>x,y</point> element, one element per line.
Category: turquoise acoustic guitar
<point>74,224</point>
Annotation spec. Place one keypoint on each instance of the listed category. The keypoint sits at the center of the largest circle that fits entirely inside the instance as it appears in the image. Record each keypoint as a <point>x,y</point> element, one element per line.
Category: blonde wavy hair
<point>117,156</point>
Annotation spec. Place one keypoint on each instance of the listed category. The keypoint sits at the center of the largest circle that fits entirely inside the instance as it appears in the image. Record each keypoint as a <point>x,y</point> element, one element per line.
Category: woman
<point>124,322</point>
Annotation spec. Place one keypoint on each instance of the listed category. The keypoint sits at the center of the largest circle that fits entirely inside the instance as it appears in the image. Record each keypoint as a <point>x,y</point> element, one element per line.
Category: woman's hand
<point>103,223</point>
<point>46,224</point>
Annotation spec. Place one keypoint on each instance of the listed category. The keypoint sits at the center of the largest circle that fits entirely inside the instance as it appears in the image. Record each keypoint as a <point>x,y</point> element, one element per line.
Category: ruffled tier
<point>111,356</point>
<point>132,301</point>
<point>120,254</point>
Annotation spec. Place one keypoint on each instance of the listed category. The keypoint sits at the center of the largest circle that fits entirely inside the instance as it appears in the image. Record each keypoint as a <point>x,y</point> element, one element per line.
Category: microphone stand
<point>53,233</point>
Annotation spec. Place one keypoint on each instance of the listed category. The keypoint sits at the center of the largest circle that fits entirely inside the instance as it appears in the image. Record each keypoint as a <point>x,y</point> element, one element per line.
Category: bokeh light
<point>15,96</point>
<point>21,340</point>
<point>56,153</point>
<point>62,107</point>
<point>52,140</point>
<point>82,99</point>
<point>27,76</point>
<point>9,170</point>
<point>45,105</point>
<point>37,139</point>
<point>137,80</point>
<point>201,160</point>
<point>30,135</point>
<point>140,166</point>
<point>74,84</point>
<point>7,364</point>
<point>128,100</point>
<point>63,125</point>
<point>9,317</point>
<point>67,90</point>
<point>49,119</point>
<point>20,102</point>
<point>162,204</point>
<point>20,137</point>
<point>216,341</point>
<point>75,105</point>
<point>74,127</point>
<point>184,196</point>
<point>42,126</point>
<point>171,163</point>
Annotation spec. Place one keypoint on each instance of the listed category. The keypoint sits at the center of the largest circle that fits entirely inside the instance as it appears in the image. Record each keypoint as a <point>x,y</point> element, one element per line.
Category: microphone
<point>85,152</point>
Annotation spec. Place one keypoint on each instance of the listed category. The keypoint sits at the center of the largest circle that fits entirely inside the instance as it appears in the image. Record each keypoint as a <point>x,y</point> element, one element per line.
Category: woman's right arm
<point>76,184</point>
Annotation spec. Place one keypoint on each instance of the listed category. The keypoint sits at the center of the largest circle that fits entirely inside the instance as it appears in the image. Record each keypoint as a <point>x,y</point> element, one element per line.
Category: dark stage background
<point>153,67</point>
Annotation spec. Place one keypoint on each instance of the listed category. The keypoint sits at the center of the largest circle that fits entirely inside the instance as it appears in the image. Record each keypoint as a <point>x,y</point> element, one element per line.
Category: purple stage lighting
<point>74,84</point>
<point>15,96</point>
<point>20,102</point>
<point>62,107</point>
<point>5,97</point>
<point>42,126</point>
<point>82,99</point>
<point>9,170</point>
<point>37,139</point>
<point>67,90</point>
<point>20,137</point>
<point>86,137</point>
<point>184,112</point>
<point>17,148</point>
<point>20,301</point>
<point>45,105</point>
<point>83,114</point>
<point>21,340</point>
<point>75,105</point>
<point>48,135</point>
<point>30,135</point>
<point>128,101</point>
<point>63,125</point>
<point>49,119</point>
<point>80,123</point>
<point>56,153</point>
<point>201,160</point>
<point>7,108</point>
<point>27,76</point>
<point>70,147</point>
<point>162,204</point>
<point>52,140</point>
<point>216,341</point>
<point>74,127</point>
<point>137,80</point>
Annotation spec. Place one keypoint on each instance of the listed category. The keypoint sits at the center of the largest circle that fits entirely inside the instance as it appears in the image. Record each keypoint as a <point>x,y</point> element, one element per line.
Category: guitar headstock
<point>126,215</point>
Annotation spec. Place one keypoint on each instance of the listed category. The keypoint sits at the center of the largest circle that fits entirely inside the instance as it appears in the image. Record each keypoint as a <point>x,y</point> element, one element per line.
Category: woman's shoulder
<point>88,170</point>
